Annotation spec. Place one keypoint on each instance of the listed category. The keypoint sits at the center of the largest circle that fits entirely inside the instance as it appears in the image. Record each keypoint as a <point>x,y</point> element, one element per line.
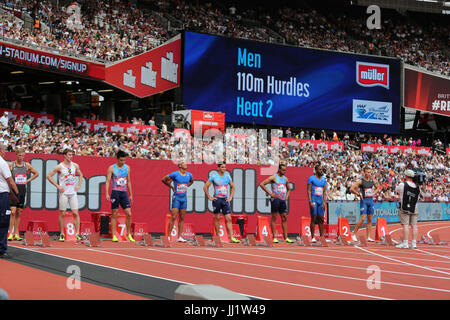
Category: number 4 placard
<point>263,229</point>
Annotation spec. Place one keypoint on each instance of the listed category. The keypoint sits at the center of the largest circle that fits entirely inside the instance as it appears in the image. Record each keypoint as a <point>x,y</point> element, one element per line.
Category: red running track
<point>26,283</point>
<point>288,271</point>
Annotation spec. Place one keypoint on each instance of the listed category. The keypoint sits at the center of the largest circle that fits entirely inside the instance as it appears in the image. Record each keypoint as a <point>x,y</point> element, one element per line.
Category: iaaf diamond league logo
<point>368,111</point>
<point>372,74</point>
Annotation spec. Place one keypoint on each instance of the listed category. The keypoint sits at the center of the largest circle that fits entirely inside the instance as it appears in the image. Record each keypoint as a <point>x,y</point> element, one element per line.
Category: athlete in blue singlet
<point>317,195</point>
<point>119,174</point>
<point>365,188</point>
<point>182,180</point>
<point>278,197</point>
<point>222,197</point>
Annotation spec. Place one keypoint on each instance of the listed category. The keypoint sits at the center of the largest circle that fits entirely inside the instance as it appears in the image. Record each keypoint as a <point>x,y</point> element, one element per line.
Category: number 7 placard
<point>121,228</point>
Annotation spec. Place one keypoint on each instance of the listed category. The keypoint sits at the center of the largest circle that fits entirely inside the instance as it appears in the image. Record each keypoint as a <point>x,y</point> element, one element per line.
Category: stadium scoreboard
<point>255,82</point>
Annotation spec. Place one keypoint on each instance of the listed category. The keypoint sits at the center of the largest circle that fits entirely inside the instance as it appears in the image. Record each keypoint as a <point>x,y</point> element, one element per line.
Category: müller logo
<point>372,74</point>
<point>208,116</point>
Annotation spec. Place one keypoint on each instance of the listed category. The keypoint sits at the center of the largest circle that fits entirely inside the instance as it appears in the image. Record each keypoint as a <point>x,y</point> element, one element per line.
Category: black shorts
<point>278,206</point>
<point>221,205</point>
<point>120,198</point>
<point>21,202</point>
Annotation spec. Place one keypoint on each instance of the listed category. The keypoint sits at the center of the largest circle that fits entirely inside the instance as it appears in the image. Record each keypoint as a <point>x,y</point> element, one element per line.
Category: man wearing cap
<point>409,193</point>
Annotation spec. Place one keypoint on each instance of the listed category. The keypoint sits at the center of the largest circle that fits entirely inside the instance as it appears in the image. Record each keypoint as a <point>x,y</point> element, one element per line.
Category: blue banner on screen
<point>289,86</point>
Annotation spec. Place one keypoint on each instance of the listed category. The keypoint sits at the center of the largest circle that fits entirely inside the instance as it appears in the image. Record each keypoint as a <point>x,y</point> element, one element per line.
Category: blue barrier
<point>428,211</point>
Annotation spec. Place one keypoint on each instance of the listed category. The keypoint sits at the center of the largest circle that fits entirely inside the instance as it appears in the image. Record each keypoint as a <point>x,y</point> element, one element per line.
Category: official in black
<point>409,196</point>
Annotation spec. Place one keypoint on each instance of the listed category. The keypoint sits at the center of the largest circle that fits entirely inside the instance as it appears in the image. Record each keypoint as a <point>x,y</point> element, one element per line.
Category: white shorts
<point>70,199</point>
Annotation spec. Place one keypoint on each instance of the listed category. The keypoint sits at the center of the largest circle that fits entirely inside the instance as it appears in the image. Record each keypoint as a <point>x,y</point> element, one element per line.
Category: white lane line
<point>285,269</point>
<point>434,254</point>
<point>242,276</point>
<point>348,258</point>
<point>334,265</point>
<point>410,264</point>
<point>429,232</point>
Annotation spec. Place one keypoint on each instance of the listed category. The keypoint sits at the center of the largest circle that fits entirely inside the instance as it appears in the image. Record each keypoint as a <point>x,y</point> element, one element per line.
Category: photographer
<point>408,192</point>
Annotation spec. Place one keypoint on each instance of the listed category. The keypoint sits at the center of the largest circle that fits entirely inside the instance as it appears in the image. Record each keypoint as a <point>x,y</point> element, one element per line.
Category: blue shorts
<point>179,203</point>
<point>278,206</point>
<point>221,205</point>
<point>367,206</point>
<point>319,208</point>
<point>119,198</point>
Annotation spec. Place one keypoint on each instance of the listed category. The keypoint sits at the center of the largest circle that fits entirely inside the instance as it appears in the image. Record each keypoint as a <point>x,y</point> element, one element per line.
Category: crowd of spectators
<point>106,30</point>
<point>342,167</point>
<point>112,29</point>
<point>416,42</point>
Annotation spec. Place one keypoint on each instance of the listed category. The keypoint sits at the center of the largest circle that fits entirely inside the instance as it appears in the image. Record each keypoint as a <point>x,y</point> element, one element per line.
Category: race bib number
<point>70,180</point>
<point>281,188</point>
<point>20,178</point>
<point>222,191</point>
<point>121,182</point>
<point>318,191</point>
<point>182,188</point>
<point>368,192</point>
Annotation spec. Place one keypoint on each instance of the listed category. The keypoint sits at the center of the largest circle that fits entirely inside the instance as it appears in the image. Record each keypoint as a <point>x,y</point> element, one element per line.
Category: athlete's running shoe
<point>17,238</point>
<point>79,238</point>
<point>114,239</point>
<point>234,240</point>
<point>275,240</point>
<point>402,246</point>
<point>131,238</point>
<point>289,240</point>
<point>10,237</point>
<point>180,239</point>
<point>61,237</point>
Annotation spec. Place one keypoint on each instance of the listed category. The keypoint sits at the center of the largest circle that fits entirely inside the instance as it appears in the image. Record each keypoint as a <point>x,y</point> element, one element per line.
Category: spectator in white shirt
<point>4,120</point>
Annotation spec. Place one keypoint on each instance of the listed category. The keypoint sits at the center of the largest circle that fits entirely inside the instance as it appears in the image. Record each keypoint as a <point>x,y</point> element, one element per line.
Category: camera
<point>419,178</point>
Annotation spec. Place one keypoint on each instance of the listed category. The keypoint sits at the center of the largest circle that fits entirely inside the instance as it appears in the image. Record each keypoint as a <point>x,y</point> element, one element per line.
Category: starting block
<point>387,240</point>
<point>199,241</point>
<point>216,242</point>
<point>424,240</point>
<point>93,240</point>
<point>436,240</point>
<point>342,240</point>
<point>164,242</point>
<point>30,241</point>
<point>304,241</point>
<point>362,241</point>
<point>250,240</point>
<point>323,242</point>
<point>45,240</point>
<point>146,241</point>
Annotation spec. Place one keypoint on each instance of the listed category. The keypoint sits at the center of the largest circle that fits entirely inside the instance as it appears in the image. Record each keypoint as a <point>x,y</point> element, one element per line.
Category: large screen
<point>254,82</point>
<point>427,92</point>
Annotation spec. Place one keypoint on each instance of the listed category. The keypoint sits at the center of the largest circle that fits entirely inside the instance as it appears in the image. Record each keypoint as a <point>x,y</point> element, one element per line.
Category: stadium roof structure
<point>432,6</point>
